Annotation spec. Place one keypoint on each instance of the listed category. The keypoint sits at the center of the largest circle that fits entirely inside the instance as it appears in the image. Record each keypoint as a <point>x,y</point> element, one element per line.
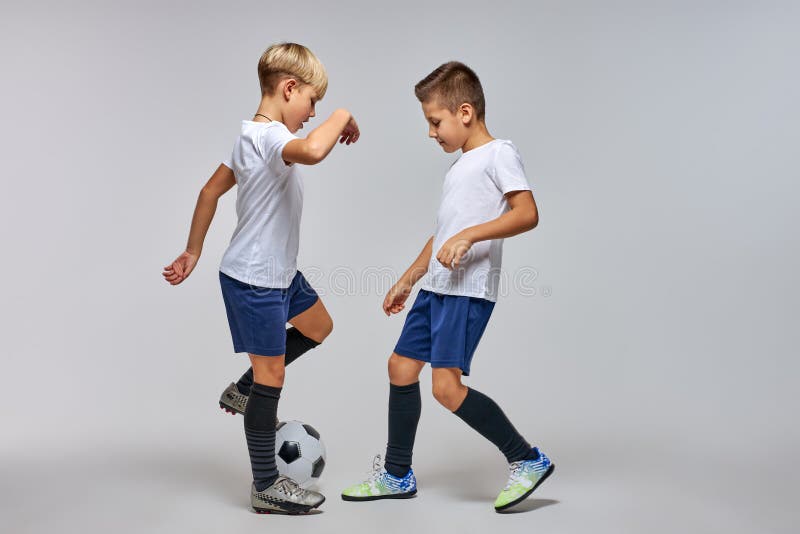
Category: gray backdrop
<point>647,345</point>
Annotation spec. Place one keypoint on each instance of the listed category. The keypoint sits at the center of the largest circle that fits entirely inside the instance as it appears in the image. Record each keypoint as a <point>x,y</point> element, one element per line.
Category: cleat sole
<point>228,409</point>
<point>406,495</point>
<point>299,509</point>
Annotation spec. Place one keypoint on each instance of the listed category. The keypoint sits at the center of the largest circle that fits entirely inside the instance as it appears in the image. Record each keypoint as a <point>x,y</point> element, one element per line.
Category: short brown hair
<point>453,84</point>
<point>291,60</point>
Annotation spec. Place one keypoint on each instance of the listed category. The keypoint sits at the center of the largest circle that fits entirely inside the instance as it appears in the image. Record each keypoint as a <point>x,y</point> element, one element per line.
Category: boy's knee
<point>395,368</point>
<point>442,392</point>
<point>448,393</point>
<point>327,328</point>
<point>402,370</point>
<point>268,371</point>
<point>269,378</point>
<point>321,330</point>
<point>318,332</point>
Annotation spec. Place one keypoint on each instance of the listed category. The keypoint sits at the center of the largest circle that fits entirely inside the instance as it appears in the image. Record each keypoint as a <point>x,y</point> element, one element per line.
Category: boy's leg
<point>270,492</point>
<point>459,323</point>
<point>405,407</point>
<point>260,416</point>
<point>481,413</point>
<point>528,467</point>
<point>315,322</point>
<point>394,478</point>
<point>309,329</point>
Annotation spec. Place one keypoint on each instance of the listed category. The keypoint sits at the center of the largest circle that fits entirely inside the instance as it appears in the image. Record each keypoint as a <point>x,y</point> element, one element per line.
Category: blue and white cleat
<point>524,477</point>
<point>382,485</point>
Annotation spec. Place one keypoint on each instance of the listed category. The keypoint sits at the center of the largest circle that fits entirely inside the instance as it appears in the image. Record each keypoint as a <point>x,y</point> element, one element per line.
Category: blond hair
<point>453,84</point>
<point>291,60</point>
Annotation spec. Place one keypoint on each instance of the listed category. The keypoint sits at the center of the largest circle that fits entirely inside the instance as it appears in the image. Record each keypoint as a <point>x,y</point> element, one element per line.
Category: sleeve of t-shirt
<point>508,173</point>
<point>274,140</point>
<point>228,162</point>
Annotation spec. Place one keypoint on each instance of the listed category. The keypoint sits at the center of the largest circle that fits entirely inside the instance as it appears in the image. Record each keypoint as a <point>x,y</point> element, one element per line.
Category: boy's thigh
<point>302,296</point>
<point>306,311</point>
<point>415,338</point>
<point>457,325</point>
<point>256,317</point>
<point>315,322</point>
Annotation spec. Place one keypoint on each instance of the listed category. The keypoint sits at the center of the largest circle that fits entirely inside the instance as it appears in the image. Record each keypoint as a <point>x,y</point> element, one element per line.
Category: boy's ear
<point>467,112</point>
<point>289,86</point>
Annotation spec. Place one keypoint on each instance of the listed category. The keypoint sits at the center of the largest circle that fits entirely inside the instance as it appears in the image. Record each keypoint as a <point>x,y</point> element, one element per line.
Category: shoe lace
<point>514,474</point>
<point>377,469</point>
<point>289,487</point>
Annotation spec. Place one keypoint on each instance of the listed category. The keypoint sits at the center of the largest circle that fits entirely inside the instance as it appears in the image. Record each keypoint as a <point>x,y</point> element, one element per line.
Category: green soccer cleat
<point>382,485</point>
<point>524,477</point>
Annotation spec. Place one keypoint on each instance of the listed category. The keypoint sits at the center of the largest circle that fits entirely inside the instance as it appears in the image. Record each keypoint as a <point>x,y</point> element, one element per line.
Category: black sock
<point>484,415</point>
<point>259,429</point>
<point>405,406</point>
<point>296,345</point>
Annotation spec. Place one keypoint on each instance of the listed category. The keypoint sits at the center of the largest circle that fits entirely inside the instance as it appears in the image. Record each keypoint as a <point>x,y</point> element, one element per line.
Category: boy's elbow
<point>306,151</point>
<point>210,194</point>
<point>529,221</point>
<point>314,153</point>
<point>528,218</point>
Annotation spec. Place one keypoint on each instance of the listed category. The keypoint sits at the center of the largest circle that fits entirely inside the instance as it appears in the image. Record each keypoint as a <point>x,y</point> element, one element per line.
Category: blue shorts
<point>444,330</point>
<point>257,315</point>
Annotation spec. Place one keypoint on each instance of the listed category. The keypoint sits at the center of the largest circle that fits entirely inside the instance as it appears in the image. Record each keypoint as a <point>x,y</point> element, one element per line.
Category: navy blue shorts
<point>444,330</point>
<point>257,315</point>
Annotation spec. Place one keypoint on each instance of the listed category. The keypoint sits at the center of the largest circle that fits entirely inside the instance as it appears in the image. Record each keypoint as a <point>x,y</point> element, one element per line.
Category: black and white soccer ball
<point>300,453</point>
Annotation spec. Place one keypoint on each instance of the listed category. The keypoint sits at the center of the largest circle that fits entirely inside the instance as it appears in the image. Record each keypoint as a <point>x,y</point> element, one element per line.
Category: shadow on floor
<point>529,505</point>
<point>472,485</point>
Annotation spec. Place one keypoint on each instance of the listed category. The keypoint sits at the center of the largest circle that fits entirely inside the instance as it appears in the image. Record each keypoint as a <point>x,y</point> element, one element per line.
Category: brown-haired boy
<point>486,197</point>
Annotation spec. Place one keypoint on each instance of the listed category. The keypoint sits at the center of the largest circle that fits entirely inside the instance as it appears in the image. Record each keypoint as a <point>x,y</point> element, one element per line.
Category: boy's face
<point>447,128</point>
<point>300,106</point>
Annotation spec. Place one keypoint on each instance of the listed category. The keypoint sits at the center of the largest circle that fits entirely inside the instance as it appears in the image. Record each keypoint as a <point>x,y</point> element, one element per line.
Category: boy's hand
<point>351,133</point>
<point>453,250</point>
<point>396,298</point>
<point>180,269</point>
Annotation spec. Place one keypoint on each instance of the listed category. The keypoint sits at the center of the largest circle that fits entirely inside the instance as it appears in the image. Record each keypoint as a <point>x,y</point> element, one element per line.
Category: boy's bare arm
<point>397,295</point>
<point>522,216</point>
<point>220,182</point>
<point>317,145</point>
<point>420,265</point>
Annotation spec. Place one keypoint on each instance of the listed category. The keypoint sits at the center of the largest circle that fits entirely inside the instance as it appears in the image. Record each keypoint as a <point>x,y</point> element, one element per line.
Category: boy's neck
<point>478,137</point>
<point>268,107</point>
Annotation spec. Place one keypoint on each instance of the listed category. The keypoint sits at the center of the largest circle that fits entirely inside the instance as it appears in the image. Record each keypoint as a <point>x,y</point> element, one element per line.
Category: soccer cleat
<point>232,401</point>
<point>524,477</point>
<point>284,496</point>
<point>382,485</point>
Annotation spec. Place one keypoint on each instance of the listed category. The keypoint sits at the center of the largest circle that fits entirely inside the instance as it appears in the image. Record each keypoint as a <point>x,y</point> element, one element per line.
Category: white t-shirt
<point>269,204</point>
<point>473,193</point>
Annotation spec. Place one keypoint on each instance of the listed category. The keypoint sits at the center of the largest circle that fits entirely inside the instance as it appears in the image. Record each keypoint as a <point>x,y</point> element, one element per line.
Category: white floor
<point>193,476</point>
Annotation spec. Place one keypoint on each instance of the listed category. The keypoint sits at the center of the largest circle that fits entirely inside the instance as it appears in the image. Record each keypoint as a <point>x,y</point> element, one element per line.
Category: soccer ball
<point>300,452</point>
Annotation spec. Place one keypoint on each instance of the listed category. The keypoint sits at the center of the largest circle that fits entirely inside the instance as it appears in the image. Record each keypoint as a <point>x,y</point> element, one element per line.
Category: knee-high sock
<point>484,415</point>
<point>259,429</point>
<point>296,345</point>
<point>405,406</point>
